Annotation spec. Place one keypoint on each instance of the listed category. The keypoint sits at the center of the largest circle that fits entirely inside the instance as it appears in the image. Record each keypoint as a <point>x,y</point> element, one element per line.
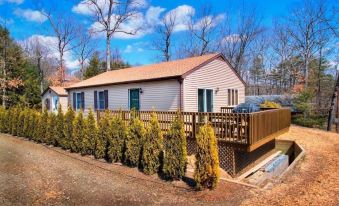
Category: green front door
<point>134,101</point>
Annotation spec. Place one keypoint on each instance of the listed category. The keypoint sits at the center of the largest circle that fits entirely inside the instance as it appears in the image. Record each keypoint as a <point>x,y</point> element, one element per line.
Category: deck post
<point>194,126</point>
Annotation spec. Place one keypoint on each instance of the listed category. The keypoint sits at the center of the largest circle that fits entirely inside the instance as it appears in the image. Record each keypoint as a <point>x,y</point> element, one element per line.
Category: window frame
<point>78,99</point>
<point>103,100</point>
<point>205,108</point>
<point>129,98</point>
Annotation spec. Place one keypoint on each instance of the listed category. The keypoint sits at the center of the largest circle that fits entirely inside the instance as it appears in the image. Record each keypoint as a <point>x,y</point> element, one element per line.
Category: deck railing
<point>247,129</point>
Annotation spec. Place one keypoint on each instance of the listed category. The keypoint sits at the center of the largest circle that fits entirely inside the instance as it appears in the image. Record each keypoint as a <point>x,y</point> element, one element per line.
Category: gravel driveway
<point>34,174</point>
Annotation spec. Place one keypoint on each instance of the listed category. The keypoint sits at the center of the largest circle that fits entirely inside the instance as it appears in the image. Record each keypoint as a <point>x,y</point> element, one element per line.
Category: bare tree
<point>306,23</point>
<point>236,42</point>
<point>85,49</point>
<point>165,33</point>
<point>201,32</point>
<point>111,15</point>
<point>66,32</point>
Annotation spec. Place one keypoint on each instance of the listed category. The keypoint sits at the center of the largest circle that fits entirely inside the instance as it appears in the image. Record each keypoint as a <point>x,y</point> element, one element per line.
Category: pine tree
<point>103,133</point>
<point>175,151</point>
<point>90,135</point>
<point>206,174</point>
<point>60,136</point>
<point>116,141</point>
<point>78,132</point>
<point>68,128</point>
<point>134,141</point>
<point>94,67</point>
<point>152,148</point>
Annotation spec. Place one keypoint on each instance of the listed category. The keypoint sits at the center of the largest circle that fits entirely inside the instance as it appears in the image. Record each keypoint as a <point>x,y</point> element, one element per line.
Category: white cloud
<point>182,14</point>
<point>128,49</point>
<point>50,42</point>
<point>209,20</point>
<point>232,38</point>
<point>136,47</point>
<point>30,15</point>
<point>86,8</point>
<point>12,1</point>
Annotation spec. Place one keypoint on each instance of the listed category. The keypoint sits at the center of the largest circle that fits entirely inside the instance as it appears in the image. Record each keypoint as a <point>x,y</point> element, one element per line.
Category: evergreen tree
<point>116,141</point>
<point>2,119</point>
<point>134,141</point>
<point>68,128</point>
<point>175,151</point>
<point>103,133</point>
<point>206,174</point>
<point>26,123</point>
<point>43,124</point>
<point>37,134</point>
<point>90,135</point>
<point>152,147</point>
<point>14,117</point>
<point>20,127</point>
<point>94,67</point>
<point>60,136</point>
<point>31,124</point>
<point>51,129</point>
<point>78,132</point>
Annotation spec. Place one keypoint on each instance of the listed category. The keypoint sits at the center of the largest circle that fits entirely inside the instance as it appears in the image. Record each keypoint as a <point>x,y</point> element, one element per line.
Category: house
<point>52,97</point>
<point>197,84</point>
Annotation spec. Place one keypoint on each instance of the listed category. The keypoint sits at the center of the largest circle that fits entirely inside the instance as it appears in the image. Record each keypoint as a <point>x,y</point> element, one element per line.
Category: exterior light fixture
<point>217,90</point>
<point>140,90</point>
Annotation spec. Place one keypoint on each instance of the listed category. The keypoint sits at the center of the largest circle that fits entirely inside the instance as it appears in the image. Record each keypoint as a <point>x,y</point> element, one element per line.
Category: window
<point>134,99</point>
<point>78,100</point>
<point>205,100</point>
<point>101,100</point>
<point>232,95</point>
<point>47,104</point>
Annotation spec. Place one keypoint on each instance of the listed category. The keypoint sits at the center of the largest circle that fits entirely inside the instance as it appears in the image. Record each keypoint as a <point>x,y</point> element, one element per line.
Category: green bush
<point>175,151</point>
<point>43,127</point>
<point>36,132</point>
<point>311,121</point>
<point>26,123</point>
<point>90,135</point>
<point>103,135</point>
<point>269,104</point>
<point>60,136</point>
<point>14,116</point>
<point>152,149</point>
<point>78,132</point>
<point>116,141</point>
<point>134,141</point>
<point>20,126</point>
<point>68,128</point>
<point>31,124</point>
<point>51,129</point>
<point>3,120</point>
<point>206,174</point>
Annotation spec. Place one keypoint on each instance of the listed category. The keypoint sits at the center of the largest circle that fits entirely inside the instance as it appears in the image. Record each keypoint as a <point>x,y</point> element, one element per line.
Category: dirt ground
<point>33,174</point>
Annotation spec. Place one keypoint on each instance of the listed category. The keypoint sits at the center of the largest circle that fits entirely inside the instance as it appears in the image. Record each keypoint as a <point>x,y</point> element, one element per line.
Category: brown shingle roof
<point>162,70</point>
<point>58,90</point>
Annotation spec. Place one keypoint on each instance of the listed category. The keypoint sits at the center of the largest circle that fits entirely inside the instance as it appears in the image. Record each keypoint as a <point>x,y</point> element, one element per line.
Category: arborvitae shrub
<point>103,133</point>
<point>134,141</point>
<point>90,135</point>
<point>43,127</point>
<point>14,117</point>
<point>206,174</point>
<point>21,121</point>
<point>26,123</point>
<point>68,128</point>
<point>116,141</point>
<point>51,129</point>
<point>36,132</point>
<point>7,122</point>
<point>78,132</point>
<point>31,124</point>
<point>2,119</point>
<point>152,148</point>
<point>60,136</point>
<point>175,151</point>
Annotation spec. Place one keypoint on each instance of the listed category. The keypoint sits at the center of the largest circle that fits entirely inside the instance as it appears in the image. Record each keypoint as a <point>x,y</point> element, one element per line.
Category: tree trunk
<point>108,52</point>
<point>41,76</point>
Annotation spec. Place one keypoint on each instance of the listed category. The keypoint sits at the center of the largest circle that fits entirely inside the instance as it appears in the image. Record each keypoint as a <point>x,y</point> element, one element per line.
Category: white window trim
<point>229,99</point>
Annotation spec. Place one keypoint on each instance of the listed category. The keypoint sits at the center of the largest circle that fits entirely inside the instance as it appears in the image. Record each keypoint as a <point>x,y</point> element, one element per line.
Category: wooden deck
<point>247,130</point>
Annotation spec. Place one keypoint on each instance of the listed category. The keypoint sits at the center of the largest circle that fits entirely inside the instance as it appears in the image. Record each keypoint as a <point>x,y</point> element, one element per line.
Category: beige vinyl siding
<point>160,95</point>
<point>63,101</point>
<point>216,74</point>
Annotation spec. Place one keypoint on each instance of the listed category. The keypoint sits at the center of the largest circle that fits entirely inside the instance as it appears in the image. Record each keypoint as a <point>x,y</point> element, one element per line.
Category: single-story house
<point>52,97</point>
<point>197,84</point>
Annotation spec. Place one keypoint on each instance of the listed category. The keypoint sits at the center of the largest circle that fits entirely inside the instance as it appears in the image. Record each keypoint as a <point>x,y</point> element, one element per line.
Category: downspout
<point>181,104</point>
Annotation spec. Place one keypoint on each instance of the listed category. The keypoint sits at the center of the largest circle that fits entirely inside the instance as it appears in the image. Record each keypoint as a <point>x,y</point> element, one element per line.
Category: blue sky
<point>24,21</point>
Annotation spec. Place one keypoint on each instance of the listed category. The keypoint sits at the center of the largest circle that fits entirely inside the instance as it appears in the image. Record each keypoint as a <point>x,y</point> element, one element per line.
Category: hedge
<point>116,140</point>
